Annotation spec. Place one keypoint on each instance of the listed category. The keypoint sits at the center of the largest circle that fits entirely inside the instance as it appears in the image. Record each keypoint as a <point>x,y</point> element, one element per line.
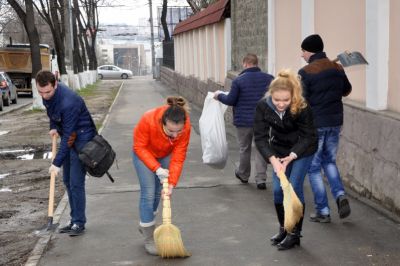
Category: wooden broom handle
<point>166,212</point>
<point>283,179</point>
<point>53,147</point>
<point>51,194</point>
<point>52,177</point>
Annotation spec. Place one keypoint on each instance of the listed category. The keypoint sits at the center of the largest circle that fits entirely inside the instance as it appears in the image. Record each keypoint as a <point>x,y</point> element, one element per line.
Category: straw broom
<point>167,236</point>
<point>291,203</point>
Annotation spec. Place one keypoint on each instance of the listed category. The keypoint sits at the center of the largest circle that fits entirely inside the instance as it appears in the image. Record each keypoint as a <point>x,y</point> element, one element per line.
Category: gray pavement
<point>222,221</point>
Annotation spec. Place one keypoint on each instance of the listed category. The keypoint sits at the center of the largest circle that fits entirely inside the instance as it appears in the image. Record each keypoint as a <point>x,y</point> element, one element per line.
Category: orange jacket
<point>151,143</point>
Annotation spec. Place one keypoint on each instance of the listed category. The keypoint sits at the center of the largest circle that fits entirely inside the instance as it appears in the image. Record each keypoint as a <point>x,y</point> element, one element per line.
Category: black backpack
<point>97,156</point>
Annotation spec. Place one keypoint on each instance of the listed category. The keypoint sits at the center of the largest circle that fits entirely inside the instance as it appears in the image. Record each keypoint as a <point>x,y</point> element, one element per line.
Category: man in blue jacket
<point>324,85</point>
<point>247,89</point>
<point>70,119</point>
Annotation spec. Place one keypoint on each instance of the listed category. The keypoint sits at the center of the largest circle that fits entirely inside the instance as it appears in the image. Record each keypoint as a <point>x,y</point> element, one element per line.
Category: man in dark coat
<point>247,89</point>
<point>71,120</point>
<point>324,85</point>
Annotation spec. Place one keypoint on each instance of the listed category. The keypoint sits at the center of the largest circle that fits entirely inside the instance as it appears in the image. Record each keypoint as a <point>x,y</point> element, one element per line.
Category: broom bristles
<point>168,240</point>
<point>291,204</point>
<point>167,236</point>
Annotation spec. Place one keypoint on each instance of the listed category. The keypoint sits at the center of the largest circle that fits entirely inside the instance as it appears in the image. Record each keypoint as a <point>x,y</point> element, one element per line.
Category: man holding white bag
<point>247,89</point>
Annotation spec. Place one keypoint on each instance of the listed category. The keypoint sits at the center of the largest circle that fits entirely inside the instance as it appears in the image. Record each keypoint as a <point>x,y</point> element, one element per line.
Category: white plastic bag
<point>212,132</point>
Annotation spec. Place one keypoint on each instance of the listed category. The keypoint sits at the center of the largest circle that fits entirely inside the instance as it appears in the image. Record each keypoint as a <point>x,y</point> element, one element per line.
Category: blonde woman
<point>286,137</point>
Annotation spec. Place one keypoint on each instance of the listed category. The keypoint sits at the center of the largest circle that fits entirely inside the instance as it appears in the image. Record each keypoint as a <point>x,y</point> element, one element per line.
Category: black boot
<point>276,239</point>
<point>292,239</point>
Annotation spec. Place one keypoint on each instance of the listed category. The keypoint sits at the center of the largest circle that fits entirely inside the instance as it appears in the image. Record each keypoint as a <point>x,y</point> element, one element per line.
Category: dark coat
<point>68,113</point>
<point>279,137</point>
<point>247,89</point>
<point>324,85</point>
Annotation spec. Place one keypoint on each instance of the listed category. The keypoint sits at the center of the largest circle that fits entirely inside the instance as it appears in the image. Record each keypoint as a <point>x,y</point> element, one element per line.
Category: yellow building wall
<point>341,24</point>
<point>394,57</point>
<point>287,35</point>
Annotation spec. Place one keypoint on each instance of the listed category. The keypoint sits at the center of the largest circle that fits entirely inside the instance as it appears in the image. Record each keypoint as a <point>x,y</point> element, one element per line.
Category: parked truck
<point>15,59</point>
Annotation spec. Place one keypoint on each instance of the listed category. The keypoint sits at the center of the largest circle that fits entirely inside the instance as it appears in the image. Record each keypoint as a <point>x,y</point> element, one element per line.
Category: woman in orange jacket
<point>160,142</point>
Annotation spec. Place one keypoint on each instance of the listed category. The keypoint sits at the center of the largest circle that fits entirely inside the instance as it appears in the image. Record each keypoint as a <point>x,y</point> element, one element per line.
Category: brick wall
<point>249,31</point>
<point>368,155</point>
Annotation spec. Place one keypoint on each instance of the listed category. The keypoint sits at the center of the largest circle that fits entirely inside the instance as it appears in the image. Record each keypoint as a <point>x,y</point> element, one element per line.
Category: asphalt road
<point>222,221</point>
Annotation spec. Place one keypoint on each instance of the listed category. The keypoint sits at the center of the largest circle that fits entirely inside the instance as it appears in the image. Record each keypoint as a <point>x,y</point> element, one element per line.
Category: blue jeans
<point>325,158</point>
<point>150,189</point>
<point>74,175</point>
<point>295,172</point>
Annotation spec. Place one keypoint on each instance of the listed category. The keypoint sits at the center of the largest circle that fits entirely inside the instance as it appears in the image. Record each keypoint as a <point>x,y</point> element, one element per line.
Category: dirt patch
<point>24,184</point>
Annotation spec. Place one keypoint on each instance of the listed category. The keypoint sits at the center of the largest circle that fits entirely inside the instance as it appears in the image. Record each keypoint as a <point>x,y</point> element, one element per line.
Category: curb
<point>43,241</point>
<point>15,109</point>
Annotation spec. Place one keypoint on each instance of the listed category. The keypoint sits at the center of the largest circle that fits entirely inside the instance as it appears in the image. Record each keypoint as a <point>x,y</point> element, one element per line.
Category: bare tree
<point>78,66</point>
<point>52,12</point>
<point>7,17</point>
<point>198,5</point>
<point>90,22</point>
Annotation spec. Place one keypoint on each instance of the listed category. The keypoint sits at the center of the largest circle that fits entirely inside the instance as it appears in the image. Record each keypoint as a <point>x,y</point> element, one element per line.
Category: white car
<point>110,71</point>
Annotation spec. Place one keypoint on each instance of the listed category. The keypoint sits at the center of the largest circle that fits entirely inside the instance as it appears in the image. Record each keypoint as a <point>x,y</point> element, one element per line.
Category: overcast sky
<point>129,11</point>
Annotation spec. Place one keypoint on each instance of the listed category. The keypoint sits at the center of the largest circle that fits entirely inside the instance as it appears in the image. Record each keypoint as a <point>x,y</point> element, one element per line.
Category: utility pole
<point>152,41</point>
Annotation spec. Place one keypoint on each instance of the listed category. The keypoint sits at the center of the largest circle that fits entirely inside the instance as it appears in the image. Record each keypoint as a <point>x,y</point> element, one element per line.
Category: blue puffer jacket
<point>68,113</point>
<point>324,84</point>
<point>247,89</point>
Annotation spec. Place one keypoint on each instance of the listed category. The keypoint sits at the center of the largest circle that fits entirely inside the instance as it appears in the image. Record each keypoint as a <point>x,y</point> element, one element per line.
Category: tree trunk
<point>90,27</point>
<point>83,51</point>
<point>167,37</point>
<point>86,41</point>
<point>59,35</point>
<point>78,67</point>
<point>34,39</point>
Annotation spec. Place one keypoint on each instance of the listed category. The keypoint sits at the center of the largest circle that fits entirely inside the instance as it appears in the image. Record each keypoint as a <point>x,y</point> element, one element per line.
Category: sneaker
<point>320,218</point>
<point>343,206</point>
<point>241,179</point>
<point>261,186</point>
<point>76,230</point>
<point>65,229</point>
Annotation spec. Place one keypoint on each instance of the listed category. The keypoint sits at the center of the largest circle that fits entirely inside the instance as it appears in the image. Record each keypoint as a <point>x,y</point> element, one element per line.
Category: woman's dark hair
<point>44,77</point>
<point>176,111</point>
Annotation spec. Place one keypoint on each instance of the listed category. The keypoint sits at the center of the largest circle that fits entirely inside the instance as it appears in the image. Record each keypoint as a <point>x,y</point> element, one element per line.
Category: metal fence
<point>168,54</point>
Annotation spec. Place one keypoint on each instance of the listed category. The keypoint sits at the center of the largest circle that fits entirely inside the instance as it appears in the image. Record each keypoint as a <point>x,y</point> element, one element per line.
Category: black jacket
<point>279,137</point>
<point>324,85</point>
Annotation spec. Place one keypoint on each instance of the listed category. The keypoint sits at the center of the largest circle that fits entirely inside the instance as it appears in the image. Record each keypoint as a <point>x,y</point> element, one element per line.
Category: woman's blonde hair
<point>289,81</point>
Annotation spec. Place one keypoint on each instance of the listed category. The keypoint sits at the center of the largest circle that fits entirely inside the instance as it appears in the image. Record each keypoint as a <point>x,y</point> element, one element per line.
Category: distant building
<point>105,54</point>
<point>130,56</point>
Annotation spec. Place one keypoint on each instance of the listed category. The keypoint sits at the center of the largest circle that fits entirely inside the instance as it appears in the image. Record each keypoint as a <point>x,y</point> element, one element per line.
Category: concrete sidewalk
<point>222,221</point>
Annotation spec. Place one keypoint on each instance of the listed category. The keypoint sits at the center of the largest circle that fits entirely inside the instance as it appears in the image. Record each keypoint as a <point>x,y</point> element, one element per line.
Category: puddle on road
<point>24,154</point>
<point>5,189</point>
<point>4,132</point>
<point>4,175</point>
